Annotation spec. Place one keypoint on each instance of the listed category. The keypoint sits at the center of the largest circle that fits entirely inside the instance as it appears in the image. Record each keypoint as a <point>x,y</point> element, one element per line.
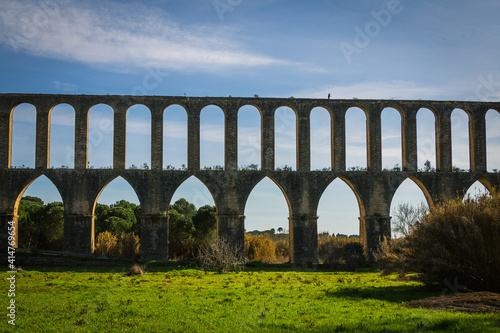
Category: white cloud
<point>107,34</point>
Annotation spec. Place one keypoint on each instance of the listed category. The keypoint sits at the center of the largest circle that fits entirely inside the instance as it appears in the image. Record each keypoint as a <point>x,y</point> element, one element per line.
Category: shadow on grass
<point>395,294</point>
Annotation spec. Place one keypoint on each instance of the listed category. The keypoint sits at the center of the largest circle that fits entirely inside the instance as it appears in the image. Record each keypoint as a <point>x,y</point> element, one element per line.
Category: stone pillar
<point>373,228</point>
<point>81,137</point>
<point>157,137</point>
<point>231,139</point>
<point>477,140</point>
<point>374,140</point>
<point>154,237</point>
<point>267,139</point>
<point>42,138</point>
<point>443,140</point>
<point>78,233</point>
<point>5,136</point>
<point>231,227</point>
<point>120,137</point>
<point>338,140</point>
<point>193,140</point>
<point>409,139</point>
<point>303,141</point>
<point>4,231</point>
<point>304,239</point>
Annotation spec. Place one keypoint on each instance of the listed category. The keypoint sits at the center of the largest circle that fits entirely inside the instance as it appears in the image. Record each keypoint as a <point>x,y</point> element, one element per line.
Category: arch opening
<point>391,139</point>
<point>62,136</point>
<point>476,190</point>
<point>212,138</point>
<point>249,138</point>
<point>175,138</point>
<point>23,136</point>
<point>460,149</point>
<point>192,219</point>
<point>100,137</point>
<point>408,204</point>
<point>117,220</point>
<point>40,211</point>
<point>138,144</point>
<point>321,139</point>
<point>267,212</point>
<point>493,140</point>
<point>355,137</point>
<point>285,138</point>
<point>426,140</point>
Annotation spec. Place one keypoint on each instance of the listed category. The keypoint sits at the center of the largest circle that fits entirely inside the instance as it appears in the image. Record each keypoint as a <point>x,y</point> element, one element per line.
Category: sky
<point>407,49</point>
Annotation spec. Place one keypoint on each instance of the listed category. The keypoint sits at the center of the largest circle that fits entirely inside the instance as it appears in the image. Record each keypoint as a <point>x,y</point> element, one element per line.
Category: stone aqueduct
<point>230,188</point>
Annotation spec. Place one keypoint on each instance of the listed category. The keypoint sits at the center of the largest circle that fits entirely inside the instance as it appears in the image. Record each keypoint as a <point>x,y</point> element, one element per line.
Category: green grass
<point>174,298</point>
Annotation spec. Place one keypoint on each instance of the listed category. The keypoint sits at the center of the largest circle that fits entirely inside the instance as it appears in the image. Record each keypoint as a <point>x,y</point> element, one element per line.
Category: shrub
<point>129,245</point>
<point>220,256</point>
<point>260,248</point>
<point>106,244</point>
<point>340,252</point>
<point>457,240</point>
<point>136,269</point>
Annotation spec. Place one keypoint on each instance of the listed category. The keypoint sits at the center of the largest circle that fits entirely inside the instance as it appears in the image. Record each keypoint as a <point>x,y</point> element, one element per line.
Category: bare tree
<point>404,218</point>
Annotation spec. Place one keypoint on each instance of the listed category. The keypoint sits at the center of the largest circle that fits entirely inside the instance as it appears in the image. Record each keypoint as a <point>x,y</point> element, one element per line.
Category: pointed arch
<point>100,137</point>
<point>355,137</point>
<point>49,234</point>
<point>409,192</point>
<point>23,136</point>
<point>285,138</point>
<point>339,209</point>
<point>175,137</point>
<point>249,137</point>
<point>493,140</point>
<point>117,188</point>
<point>460,148</point>
<point>138,141</point>
<point>477,189</point>
<point>62,136</point>
<point>321,139</point>
<point>392,155</point>
<point>194,191</point>
<point>426,140</point>
<point>211,137</point>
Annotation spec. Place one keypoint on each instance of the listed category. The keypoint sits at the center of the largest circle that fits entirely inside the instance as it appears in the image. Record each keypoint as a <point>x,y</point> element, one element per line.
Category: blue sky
<point>444,50</point>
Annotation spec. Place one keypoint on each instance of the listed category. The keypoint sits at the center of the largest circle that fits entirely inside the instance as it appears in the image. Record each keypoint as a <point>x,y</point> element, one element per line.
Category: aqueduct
<point>374,188</point>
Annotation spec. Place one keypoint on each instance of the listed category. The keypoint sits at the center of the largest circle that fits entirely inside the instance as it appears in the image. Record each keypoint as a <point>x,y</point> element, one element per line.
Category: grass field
<point>262,299</point>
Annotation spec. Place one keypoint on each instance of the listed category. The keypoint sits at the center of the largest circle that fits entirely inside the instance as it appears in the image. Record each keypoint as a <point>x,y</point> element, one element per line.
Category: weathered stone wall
<point>374,189</point>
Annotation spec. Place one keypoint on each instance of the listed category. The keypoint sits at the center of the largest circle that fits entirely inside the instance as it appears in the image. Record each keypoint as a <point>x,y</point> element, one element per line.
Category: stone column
<point>154,237</point>
<point>303,141</point>
<point>443,140</point>
<point>193,140</point>
<point>477,140</point>
<point>157,137</point>
<point>5,136</point>
<point>338,140</point>
<point>78,233</point>
<point>231,227</point>
<point>267,141</point>
<point>231,139</point>
<point>374,140</point>
<point>81,137</point>
<point>409,139</point>
<point>304,239</point>
<point>120,137</point>
<point>4,231</point>
<point>42,137</point>
<point>373,228</point>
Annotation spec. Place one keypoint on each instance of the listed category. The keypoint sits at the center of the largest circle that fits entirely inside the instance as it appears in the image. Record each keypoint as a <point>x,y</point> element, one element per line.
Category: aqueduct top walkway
<point>230,188</point>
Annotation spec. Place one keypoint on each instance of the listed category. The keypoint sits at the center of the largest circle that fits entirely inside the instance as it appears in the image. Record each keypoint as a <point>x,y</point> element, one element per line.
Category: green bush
<point>340,252</point>
<point>458,240</point>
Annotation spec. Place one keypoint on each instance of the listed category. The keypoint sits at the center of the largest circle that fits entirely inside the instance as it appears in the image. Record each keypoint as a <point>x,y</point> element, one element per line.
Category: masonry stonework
<point>80,187</point>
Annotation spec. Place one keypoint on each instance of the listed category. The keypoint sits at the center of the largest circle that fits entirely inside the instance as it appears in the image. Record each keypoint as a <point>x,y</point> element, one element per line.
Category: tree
<point>404,218</point>
<point>205,223</point>
<point>29,211</point>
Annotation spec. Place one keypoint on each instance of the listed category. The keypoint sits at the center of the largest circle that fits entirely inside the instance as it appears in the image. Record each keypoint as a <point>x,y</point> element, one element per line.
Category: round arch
<point>62,136</point>
<point>285,138</point>
<point>175,137</point>
<point>138,136</point>
<point>22,139</point>
<point>249,137</point>
<point>212,137</point>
